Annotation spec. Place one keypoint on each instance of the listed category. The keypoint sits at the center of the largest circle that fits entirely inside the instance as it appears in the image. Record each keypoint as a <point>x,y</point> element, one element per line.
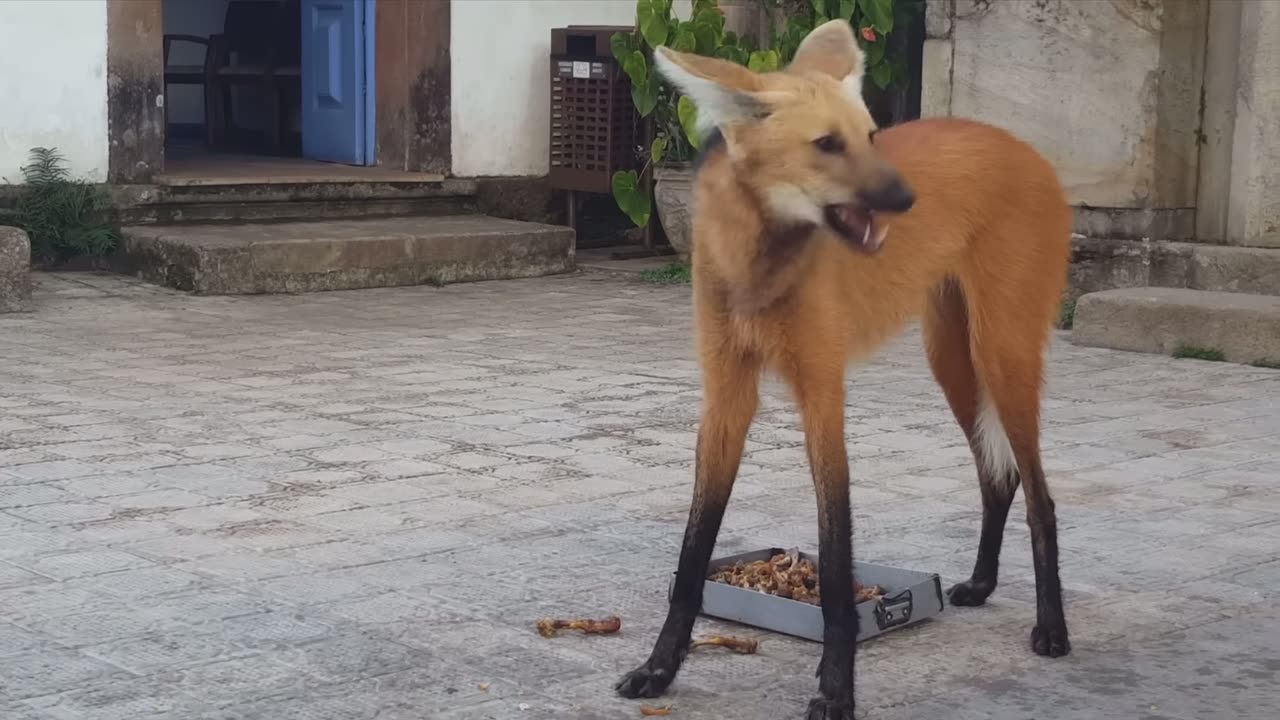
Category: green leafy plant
<point>874,21</point>
<point>675,116</point>
<point>674,274</point>
<point>1067,315</point>
<point>63,217</point>
<point>1194,352</point>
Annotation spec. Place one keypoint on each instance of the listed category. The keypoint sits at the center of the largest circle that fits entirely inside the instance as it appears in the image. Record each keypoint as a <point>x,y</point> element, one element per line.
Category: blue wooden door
<point>337,81</point>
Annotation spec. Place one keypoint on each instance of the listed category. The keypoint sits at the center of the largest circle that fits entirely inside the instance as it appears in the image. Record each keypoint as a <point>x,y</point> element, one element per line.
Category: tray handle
<point>895,610</point>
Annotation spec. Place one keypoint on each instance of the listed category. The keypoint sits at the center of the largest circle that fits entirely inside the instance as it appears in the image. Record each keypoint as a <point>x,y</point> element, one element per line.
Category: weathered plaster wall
<point>54,92</point>
<point>1109,91</point>
<point>1160,115</point>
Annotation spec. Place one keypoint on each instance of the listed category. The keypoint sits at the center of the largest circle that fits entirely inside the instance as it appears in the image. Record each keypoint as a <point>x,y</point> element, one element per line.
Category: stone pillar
<point>1218,122</point>
<point>744,17</point>
<point>935,73</point>
<point>15,270</point>
<point>1253,187</point>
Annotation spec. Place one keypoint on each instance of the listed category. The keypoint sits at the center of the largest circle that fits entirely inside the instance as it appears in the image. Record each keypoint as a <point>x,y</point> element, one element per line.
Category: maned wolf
<point>816,238</point>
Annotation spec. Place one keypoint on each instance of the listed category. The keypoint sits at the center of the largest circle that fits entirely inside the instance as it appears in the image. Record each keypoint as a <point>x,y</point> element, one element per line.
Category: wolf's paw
<point>646,681</point>
<point>969,594</point>
<point>1050,640</point>
<point>824,709</point>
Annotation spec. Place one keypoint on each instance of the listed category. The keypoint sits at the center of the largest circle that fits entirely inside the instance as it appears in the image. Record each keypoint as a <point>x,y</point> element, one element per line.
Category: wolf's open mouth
<point>857,226</point>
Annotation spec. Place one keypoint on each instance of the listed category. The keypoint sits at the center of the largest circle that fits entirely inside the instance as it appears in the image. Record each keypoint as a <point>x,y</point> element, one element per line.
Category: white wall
<point>53,83</point>
<point>501,75</point>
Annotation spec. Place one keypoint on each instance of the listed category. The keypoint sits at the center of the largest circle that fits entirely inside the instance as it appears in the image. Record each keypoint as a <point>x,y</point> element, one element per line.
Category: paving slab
<point>356,504</point>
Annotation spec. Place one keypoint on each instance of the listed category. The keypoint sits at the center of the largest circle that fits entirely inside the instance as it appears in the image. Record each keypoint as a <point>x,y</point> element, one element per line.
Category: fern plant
<point>63,217</point>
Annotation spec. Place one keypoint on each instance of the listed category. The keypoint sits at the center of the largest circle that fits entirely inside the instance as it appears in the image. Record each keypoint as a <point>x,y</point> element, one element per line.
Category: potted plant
<point>674,116</point>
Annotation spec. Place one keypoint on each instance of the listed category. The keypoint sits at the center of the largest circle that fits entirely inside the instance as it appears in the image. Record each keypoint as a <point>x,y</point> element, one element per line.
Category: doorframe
<point>370,82</point>
<point>410,78</point>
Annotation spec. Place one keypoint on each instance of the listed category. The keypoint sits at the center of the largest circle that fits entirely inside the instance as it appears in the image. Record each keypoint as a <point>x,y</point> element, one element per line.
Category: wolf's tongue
<point>857,222</point>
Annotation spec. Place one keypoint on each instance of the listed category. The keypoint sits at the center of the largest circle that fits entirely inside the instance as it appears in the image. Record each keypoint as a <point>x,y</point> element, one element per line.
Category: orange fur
<point>990,214</point>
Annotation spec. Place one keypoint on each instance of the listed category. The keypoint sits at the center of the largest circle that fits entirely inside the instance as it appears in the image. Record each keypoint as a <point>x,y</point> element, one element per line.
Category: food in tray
<point>787,575</point>
<point>650,711</point>
<point>547,627</point>
<point>744,646</point>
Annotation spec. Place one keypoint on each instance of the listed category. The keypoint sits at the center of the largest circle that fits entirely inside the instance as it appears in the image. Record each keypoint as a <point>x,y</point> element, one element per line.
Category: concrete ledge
<point>1136,223</point>
<point>1105,264</point>
<point>1245,328</point>
<point>345,255</point>
<point>15,270</point>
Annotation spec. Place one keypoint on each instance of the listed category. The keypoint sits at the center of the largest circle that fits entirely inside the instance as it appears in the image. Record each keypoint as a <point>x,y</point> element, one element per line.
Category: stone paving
<point>354,505</point>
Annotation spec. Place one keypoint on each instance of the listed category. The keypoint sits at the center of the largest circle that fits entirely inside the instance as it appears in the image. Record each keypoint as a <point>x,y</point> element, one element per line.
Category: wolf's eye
<point>831,144</point>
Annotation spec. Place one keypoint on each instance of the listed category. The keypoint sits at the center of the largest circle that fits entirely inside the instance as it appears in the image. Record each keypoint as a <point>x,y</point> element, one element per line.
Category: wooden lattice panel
<point>593,124</point>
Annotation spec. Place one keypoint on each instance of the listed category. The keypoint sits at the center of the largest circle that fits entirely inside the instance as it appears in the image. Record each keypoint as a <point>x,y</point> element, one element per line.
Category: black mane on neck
<point>711,143</point>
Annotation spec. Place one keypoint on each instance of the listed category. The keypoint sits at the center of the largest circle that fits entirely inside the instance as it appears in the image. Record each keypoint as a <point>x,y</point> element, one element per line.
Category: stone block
<point>15,270</point>
<point>1244,328</point>
<point>1106,264</point>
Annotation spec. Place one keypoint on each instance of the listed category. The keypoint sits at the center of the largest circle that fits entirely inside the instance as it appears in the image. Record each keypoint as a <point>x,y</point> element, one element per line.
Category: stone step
<point>226,259</point>
<point>1244,328</point>
<point>1104,264</point>
<point>290,201</point>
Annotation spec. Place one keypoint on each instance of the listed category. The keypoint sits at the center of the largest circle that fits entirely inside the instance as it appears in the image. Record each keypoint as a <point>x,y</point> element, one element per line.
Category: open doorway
<point>268,87</point>
<point>408,40</point>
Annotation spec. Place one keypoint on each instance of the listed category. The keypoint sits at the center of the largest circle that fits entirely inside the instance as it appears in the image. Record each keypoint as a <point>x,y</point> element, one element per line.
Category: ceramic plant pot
<point>673,199</point>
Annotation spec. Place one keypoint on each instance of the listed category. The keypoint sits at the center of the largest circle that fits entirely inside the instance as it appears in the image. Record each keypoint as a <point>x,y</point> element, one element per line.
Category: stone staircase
<point>1172,297</point>
<point>312,236</point>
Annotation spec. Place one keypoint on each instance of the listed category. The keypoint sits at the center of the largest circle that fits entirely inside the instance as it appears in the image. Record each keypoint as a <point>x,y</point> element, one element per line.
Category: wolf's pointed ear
<point>831,49</point>
<point>725,93</point>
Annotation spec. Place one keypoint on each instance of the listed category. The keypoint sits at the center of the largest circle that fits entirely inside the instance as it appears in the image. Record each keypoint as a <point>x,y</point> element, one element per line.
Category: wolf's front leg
<point>819,390</point>
<point>732,396</point>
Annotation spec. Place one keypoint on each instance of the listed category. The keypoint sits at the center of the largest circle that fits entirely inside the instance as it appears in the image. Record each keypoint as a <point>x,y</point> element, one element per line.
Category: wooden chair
<point>260,46</point>
<point>189,75</point>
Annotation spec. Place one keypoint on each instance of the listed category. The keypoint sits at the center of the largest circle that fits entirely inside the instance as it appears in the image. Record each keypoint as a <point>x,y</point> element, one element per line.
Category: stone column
<point>744,17</point>
<point>935,74</point>
<point>1254,204</point>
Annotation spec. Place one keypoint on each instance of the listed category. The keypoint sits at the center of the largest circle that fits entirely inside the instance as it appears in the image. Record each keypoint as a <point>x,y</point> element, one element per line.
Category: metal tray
<point>910,596</point>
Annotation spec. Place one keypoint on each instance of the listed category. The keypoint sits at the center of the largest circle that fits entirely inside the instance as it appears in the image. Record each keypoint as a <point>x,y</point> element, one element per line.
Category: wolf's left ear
<point>831,49</point>
<point>726,93</point>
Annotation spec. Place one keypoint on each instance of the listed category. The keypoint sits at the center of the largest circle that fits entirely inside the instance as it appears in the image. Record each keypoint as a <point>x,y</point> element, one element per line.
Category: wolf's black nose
<point>892,196</point>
